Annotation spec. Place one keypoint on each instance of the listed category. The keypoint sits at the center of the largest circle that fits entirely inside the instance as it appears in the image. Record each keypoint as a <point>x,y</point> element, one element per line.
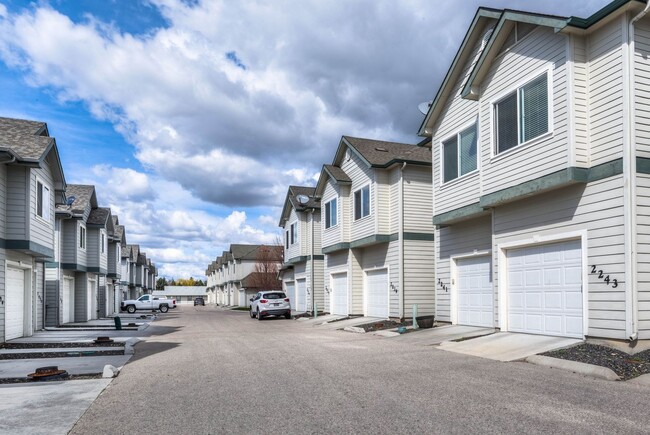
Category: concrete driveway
<point>508,346</point>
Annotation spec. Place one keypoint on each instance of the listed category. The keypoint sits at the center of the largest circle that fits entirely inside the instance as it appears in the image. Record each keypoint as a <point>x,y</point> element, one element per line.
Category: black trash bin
<point>118,322</point>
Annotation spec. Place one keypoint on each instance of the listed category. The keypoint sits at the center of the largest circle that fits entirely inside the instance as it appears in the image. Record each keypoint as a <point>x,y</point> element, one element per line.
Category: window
<point>274,296</point>
<point>103,240</point>
<point>82,237</point>
<point>522,115</point>
<point>293,230</point>
<point>331,213</point>
<point>362,203</point>
<point>459,154</point>
<point>42,201</point>
<point>286,240</point>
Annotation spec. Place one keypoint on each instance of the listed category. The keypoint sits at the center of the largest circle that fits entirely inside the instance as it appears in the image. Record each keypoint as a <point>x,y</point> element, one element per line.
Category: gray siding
<point>3,201</point>
<point>52,305</point>
<point>596,208</point>
<point>39,300</point>
<point>101,297</point>
<point>41,231</point>
<point>462,239</point>
<point>81,295</point>
<point>92,247</point>
<point>69,241</point>
<point>17,207</point>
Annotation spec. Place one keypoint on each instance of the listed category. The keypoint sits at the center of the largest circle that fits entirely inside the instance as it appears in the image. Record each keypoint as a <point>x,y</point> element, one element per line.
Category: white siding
<point>605,57</point>
<point>643,253</point>
<point>376,257</point>
<point>334,263</point>
<point>419,282</point>
<point>294,249</point>
<point>533,55</point>
<point>332,235</point>
<point>580,100</point>
<point>382,202</point>
<point>597,208</point>
<point>463,239</point>
<point>394,207</point>
<point>361,176</point>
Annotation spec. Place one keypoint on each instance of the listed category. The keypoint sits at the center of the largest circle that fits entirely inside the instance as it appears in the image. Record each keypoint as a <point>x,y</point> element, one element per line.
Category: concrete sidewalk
<point>46,407</point>
<point>440,334</point>
<point>82,365</point>
<point>354,321</point>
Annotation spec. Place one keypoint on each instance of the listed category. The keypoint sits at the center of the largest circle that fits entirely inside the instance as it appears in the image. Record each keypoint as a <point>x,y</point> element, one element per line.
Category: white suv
<point>270,303</point>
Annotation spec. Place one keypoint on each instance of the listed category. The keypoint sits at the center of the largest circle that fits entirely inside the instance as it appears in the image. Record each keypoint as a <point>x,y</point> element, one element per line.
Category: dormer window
<point>42,201</point>
<point>331,213</point>
<point>522,115</point>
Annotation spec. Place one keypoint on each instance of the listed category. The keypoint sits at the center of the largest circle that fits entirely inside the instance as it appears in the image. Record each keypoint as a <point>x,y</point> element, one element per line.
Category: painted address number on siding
<point>442,285</point>
<point>596,271</point>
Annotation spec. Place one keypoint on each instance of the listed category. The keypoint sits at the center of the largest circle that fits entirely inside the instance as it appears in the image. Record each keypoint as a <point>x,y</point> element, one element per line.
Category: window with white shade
<point>43,201</point>
<point>362,203</point>
<point>459,154</point>
<point>522,115</point>
<point>331,213</point>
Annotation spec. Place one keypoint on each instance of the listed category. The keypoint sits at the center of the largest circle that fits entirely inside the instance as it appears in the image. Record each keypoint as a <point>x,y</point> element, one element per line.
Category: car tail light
<point>286,300</point>
<point>263,301</point>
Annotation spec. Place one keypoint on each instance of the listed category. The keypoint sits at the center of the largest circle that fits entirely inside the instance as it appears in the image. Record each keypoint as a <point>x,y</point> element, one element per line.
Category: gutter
<point>629,186</point>
<point>401,241</point>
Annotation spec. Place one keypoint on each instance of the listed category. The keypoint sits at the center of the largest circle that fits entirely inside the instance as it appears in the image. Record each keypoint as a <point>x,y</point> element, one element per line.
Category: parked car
<point>270,303</point>
<point>171,302</point>
<point>145,302</point>
<point>199,301</point>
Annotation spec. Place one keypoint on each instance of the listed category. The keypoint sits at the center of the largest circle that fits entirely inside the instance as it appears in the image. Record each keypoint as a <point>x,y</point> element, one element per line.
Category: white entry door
<point>15,304</point>
<point>68,300</point>
<point>301,295</point>
<point>92,299</point>
<point>545,289</point>
<point>291,294</point>
<point>377,293</point>
<point>475,292</point>
<point>339,295</point>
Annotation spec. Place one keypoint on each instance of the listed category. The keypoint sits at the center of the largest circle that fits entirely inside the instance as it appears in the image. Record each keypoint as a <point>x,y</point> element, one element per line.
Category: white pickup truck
<point>148,303</point>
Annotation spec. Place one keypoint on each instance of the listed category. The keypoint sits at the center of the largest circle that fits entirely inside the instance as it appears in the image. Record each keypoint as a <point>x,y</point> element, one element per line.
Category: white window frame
<point>494,155</point>
<point>335,216</point>
<point>102,241</point>
<point>44,203</point>
<point>83,236</point>
<point>456,134</point>
<point>293,233</point>
<point>354,203</point>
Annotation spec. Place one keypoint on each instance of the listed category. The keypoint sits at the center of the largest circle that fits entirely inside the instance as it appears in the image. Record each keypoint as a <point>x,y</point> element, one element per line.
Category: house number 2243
<point>596,271</point>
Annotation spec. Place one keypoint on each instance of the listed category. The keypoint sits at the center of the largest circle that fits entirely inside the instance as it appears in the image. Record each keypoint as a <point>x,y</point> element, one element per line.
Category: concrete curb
<point>387,333</point>
<point>574,366</point>
<point>640,380</point>
<point>129,344</point>
<point>355,329</point>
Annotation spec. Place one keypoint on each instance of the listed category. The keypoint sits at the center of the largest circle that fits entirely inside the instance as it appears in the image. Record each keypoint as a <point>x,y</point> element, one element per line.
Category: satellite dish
<point>302,199</point>
<point>424,107</point>
<point>70,200</point>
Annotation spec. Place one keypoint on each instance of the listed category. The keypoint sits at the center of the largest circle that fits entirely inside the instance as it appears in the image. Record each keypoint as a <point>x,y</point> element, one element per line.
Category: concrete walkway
<point>439,334</point>
<point>22,406</point>
<point>355,321</point>
<point>508,346</point>
<point>82,365</point>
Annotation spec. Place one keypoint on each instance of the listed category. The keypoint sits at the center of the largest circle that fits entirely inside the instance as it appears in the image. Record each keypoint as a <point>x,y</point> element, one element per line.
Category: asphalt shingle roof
<point>294,191</point>
<point>98,216</point>
<point>338,173</point>
<point>24,138</point>
<point>382,154</point>
<point>83,196</point>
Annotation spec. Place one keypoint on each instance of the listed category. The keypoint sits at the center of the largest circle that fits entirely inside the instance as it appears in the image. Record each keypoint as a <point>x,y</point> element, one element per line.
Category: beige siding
<point>643,253</point>
<point>3,258</point>
<point>596,208</point>
<point>355,282</point>
<point>642,86</point>
<point>3,201</point>
<point>580,101</point>
<point>605,57</point>
<point>419,283</point>
<point>335,263</point>
<point>361,176</point>
<point>294,249</point>
<point>418,200</point>
<point>382,203</point>
<point>332,235</point>
<point>463,239</point>
<point>542,156</point>
<point>394,207</point>
<point>376,257</point>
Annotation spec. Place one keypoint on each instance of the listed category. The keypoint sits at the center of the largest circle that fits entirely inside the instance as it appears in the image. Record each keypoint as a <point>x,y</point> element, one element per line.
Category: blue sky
<point>193,117</point>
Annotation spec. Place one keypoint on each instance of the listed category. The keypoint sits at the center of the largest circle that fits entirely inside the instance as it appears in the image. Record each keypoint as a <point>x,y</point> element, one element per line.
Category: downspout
<point>314,307</point>
<point>629,163</point>
<point>401,240</point>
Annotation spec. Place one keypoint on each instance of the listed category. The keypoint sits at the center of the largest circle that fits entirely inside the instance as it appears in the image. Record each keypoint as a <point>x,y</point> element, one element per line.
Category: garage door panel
<point>377,293</point>
<point>551,290</point>
<point>15,303</point>
<point>339,295</point>
<point>474,292</point>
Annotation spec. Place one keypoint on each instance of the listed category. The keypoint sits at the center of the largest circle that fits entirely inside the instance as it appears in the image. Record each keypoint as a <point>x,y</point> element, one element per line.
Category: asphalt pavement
<point>213,371</point>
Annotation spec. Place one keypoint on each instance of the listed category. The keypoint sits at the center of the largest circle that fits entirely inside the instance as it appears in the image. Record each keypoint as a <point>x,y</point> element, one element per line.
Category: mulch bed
<point>68,378</point>
<point>74,354</point>
<point>623,364</point>
<point>57,345</point>
<point>385,324</point>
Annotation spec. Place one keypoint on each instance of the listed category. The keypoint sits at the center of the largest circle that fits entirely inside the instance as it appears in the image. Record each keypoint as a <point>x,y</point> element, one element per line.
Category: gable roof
<point>99,217</point>
<point>381,154</point>
<point>504,19</point>
<point>291,201</point>
<point>85,196</point>
<point>29,142</point>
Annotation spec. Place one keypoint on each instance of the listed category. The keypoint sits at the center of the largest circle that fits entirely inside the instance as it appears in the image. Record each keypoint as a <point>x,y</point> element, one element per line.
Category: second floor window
<point>286,240</point>
<point>82,237</point>
<point>42,201</point>
<point>331,213</point>
<point>362,203</point>
<point>293,230</point>
<point>522,115</point>
<point>103,242</point>
<point>459,154</point>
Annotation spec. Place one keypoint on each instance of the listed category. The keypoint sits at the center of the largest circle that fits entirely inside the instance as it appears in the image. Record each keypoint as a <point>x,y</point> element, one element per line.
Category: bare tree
<point>265,273</point>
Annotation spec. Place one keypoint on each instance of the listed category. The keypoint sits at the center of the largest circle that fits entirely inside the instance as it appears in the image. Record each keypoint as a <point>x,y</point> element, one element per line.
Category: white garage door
<point>301,295</point>
<point>15,304</point>
<point>339,295</point>
<point>92,299</point>
<point>377,293</point>
<point>291,293</point>
<point>68,300</point>
<point>475,292</point>
<point>545,289</point>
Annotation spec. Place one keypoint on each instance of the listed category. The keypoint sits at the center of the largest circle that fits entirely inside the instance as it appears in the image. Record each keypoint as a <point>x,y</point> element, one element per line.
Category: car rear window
<point>274,296</point>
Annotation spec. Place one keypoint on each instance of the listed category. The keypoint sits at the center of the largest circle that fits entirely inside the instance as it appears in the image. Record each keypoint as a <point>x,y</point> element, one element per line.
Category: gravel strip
<point>68,378</point>
<point>58,345</point>
<point>74,354</point>
<point>625,365</point>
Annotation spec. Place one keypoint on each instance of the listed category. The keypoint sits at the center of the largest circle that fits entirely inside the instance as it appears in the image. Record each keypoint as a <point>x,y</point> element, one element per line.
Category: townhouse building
<point>302,269</point>
<point>32,183</point>
<point>114,276</point>
<point>377,236</point>
<point>541,174</point>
